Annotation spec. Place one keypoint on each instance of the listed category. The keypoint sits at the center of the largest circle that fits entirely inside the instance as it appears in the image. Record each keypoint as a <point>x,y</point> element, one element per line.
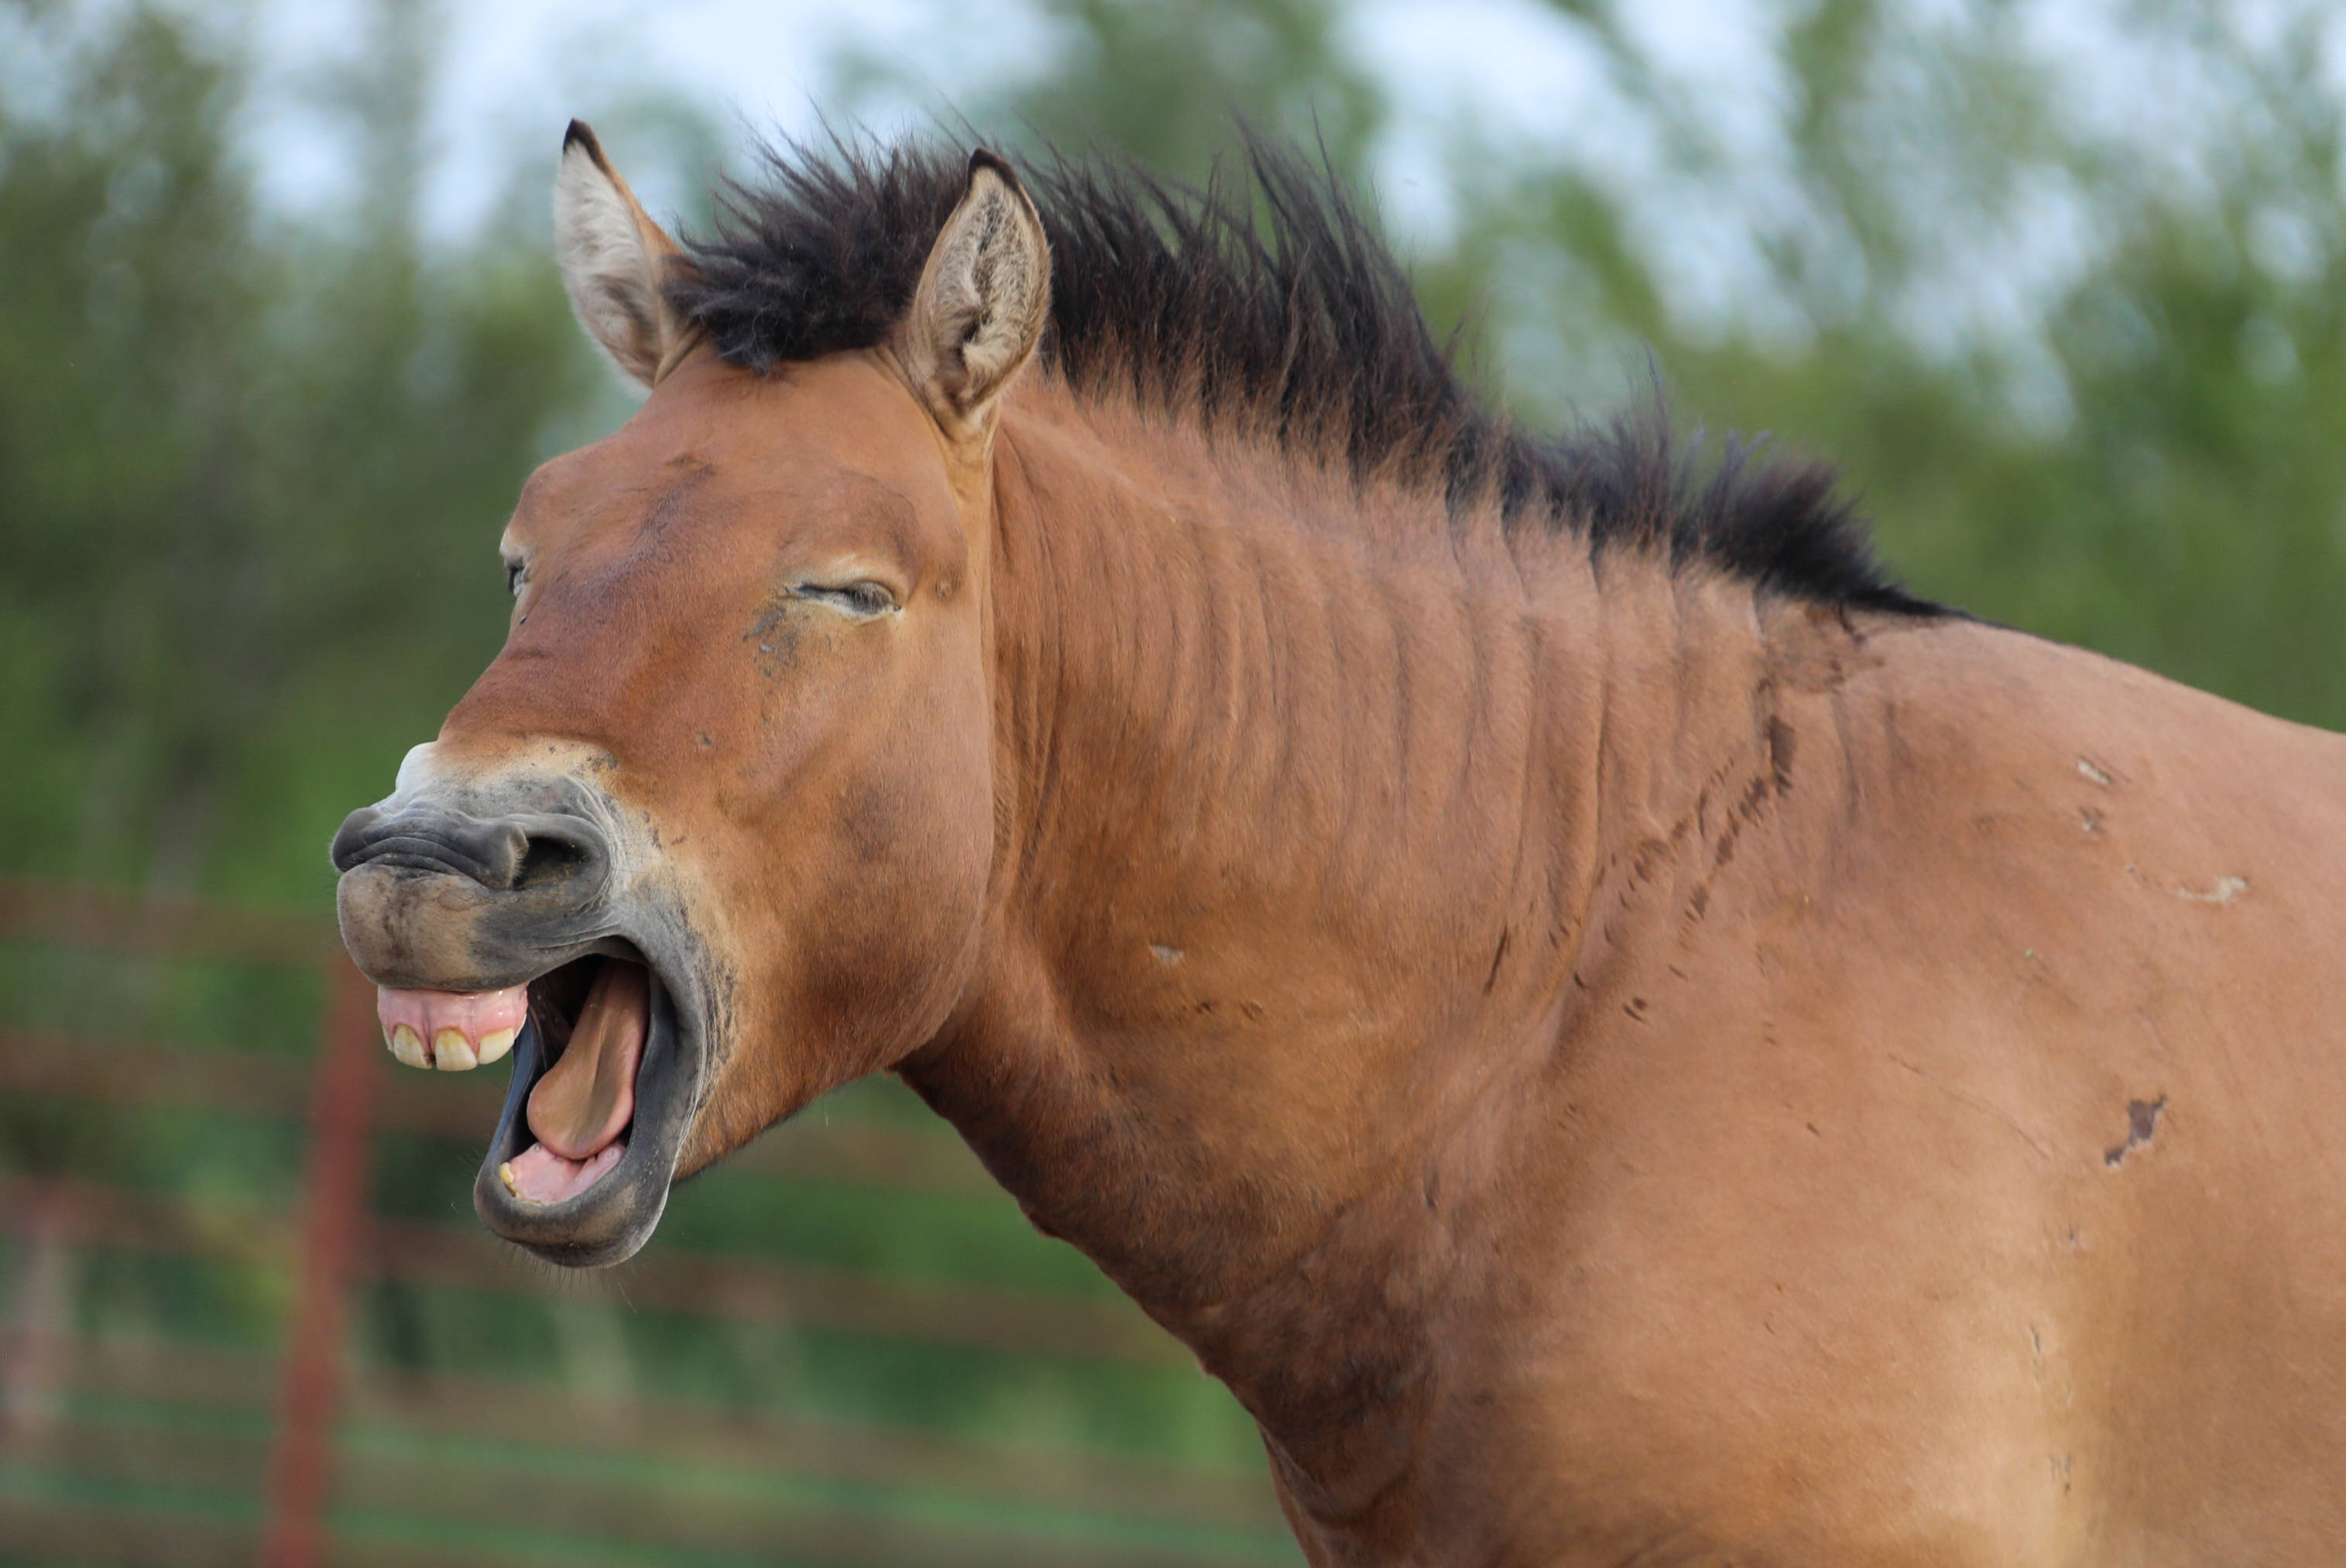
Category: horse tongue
<point>584,1101</point>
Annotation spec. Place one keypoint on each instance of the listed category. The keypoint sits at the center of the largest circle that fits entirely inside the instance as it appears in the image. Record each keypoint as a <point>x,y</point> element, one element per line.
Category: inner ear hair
<point>613,258</point>
<point>982,301</point>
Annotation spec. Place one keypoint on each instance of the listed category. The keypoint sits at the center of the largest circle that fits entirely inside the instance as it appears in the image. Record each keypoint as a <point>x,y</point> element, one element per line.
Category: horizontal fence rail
<point>246,1314</point>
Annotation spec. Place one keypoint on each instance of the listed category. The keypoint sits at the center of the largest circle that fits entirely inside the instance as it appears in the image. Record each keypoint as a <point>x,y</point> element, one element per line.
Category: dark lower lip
<point>607,1222</point>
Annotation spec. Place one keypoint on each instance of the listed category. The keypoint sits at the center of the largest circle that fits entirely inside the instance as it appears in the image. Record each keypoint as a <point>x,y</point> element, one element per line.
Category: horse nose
<point>554,853</point>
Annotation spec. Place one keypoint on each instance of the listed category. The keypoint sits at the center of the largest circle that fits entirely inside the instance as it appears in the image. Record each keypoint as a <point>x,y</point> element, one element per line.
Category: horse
<point>1620,1033</point>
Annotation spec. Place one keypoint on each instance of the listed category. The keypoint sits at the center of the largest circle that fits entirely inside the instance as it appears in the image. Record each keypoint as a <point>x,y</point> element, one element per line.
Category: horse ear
<point>982,298</point>
<point>612,256</point>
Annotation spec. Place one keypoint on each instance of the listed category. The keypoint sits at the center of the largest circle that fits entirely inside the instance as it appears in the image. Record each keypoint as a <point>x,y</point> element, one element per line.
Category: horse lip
<point>609,1222</point>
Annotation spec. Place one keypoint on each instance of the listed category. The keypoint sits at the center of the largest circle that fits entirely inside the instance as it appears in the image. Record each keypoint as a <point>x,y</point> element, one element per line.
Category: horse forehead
<point>722,459</point>
<point>845,412</point>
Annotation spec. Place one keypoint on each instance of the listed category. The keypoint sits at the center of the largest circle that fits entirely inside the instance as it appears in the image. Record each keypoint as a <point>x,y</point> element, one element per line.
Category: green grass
<point>240,1177</point>
<point>1170,1412</point>
<point>102,996</point>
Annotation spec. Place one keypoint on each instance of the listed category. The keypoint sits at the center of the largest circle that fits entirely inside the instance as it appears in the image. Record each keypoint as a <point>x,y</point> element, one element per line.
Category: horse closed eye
<point>865,599</point>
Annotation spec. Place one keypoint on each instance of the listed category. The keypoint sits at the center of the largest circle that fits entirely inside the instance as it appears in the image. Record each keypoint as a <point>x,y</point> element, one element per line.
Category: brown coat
<point>1611,1064</point>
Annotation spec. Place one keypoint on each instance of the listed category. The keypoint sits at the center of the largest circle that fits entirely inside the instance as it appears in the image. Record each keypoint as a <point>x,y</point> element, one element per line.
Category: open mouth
<point>585,1149</point>
<point>592,1017</point>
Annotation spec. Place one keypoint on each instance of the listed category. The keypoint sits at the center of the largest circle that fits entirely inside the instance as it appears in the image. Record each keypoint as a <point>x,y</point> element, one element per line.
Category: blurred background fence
<point>244,1320</point>
<point>2060,284</point>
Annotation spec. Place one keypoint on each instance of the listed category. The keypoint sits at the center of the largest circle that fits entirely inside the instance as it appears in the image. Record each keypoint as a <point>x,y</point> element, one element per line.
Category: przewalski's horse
<point>1620,1035</point>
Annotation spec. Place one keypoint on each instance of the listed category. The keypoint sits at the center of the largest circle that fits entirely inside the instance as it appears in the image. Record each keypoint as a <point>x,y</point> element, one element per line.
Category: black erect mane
<point>1268,303</point>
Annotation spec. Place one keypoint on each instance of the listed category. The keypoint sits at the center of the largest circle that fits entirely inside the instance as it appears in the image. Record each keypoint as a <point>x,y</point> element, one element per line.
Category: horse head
<point>713,831</point>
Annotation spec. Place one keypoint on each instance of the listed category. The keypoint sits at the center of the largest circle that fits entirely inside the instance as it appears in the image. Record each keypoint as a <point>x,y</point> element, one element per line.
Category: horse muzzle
<point>504,919</point>
<point>437,897</point>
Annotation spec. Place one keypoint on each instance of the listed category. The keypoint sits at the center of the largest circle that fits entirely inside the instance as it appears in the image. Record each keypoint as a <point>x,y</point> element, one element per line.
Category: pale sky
<point>1475,85</point>
<point>518,69</point>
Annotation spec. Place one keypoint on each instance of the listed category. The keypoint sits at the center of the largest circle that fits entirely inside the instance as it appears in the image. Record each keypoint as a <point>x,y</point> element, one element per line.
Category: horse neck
<point>1300,809</point>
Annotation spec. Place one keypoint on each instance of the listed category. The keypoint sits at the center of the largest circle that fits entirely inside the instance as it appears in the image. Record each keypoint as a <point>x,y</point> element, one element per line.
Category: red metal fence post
<point>342,1102</point>
<point>35,1358</point>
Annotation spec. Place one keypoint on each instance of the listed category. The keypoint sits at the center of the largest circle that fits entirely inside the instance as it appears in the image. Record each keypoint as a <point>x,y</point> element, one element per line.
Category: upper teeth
<point>451,1053</point>
<point>451,1029</point>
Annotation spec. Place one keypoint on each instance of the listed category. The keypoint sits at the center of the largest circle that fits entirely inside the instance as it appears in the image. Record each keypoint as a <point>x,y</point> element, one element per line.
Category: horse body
<point>1610,1060</point>
<point>1860,1052</point>
<point>1958,1200</point>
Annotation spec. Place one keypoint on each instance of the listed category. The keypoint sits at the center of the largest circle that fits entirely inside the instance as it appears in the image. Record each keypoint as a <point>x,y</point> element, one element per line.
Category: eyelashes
<point>862,599</point>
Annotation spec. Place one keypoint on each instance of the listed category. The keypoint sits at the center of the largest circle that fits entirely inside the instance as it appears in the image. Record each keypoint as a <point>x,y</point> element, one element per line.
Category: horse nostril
<point>536,851</point>
<point>496,850</point>
<point>547,859</point>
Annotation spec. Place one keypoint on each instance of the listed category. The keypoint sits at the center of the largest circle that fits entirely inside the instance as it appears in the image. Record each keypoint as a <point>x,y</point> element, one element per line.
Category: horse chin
<point>613,1209</point>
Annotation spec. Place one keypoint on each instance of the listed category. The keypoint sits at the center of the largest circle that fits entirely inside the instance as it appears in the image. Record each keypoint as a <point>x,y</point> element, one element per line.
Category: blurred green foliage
<point>251,467</point>
<point>2151,460</point>
<point>250,473</point>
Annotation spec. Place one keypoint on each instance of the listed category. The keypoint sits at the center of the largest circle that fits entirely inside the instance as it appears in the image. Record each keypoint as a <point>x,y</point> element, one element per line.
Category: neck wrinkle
<point>1322,855</point>
<point>1296,836</point>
